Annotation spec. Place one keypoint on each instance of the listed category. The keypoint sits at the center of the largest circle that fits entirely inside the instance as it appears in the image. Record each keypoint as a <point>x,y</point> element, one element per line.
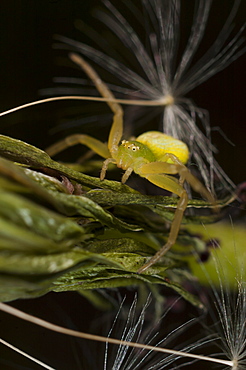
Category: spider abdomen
<point>161,144</point>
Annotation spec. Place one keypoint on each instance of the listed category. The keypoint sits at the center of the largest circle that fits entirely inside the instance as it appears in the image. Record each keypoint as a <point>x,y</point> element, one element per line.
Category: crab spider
<point>153,155</point>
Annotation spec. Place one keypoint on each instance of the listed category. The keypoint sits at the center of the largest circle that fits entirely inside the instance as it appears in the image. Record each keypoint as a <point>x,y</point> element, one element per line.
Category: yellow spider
<point>153,155</point>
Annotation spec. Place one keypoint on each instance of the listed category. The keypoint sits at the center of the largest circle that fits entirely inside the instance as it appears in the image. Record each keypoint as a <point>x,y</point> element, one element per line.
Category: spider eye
<point>130,146</point>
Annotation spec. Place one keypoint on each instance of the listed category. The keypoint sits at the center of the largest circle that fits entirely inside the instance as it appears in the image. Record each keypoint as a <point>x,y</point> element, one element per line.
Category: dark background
<point>28,64</point>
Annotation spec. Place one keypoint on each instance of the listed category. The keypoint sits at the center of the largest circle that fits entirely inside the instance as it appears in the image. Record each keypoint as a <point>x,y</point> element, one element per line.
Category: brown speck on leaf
<point>67,183</point>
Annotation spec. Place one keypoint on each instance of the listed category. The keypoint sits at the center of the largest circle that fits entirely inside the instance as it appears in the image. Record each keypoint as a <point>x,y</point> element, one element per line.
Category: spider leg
<point>116,131</point>
<point>155,173</point>
<point>105,167</point>
<point>168,183</point>
<point>96,145</point>
<point>176,167</point>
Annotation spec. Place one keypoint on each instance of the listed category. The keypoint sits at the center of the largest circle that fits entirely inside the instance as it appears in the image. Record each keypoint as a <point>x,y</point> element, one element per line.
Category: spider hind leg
<point>167,182</point>
<point>158,173</point>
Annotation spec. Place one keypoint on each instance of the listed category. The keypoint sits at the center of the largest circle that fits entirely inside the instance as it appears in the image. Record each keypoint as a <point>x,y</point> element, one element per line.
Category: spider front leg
<point>96,145</point>
<point>110,150</point>
<point>155,173</point>
<point>116,131</point>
